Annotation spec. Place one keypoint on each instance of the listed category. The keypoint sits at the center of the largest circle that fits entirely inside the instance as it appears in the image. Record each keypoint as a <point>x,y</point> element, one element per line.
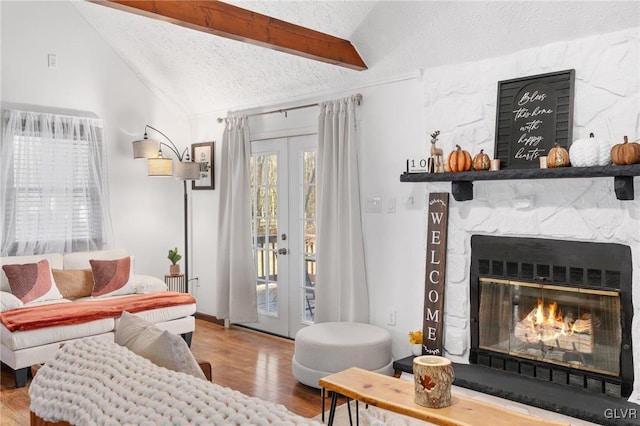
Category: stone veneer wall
<point>460,101</point>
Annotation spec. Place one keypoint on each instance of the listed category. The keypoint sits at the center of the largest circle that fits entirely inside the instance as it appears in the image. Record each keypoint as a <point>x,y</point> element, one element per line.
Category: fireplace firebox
<point>559,311</point>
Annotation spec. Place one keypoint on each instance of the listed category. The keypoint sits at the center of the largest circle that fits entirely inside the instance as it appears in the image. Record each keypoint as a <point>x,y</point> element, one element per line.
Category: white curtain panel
<point>53,184</point>
<point>235,279</point>
<point>341,285</point>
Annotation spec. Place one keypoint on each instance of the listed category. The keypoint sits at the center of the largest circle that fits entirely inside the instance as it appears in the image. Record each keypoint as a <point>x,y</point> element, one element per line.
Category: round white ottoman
<point>326,348</point>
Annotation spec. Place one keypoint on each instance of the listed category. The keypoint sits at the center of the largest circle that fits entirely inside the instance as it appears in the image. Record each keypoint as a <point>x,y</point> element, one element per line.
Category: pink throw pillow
<point>112,277</point>
<point>32,282</point>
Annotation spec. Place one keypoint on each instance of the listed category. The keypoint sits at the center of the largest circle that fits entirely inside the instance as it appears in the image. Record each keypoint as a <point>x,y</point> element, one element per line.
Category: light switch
<point>373,204</point>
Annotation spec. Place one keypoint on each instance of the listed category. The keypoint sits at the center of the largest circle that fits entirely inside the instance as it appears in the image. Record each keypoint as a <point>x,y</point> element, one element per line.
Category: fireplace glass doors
<point>554,310</point>
<point>572,327</point>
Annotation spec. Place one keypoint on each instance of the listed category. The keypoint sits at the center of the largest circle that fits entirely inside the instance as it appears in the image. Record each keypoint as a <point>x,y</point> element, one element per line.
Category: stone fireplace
<point>559,311</point>
<point>460,101</point>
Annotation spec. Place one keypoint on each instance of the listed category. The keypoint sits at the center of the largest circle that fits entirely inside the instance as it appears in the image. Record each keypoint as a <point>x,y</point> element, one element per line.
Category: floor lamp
<point>159,165</point>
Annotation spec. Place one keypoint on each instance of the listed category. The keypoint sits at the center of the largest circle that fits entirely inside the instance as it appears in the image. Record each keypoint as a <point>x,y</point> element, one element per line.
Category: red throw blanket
<point>34,317</point>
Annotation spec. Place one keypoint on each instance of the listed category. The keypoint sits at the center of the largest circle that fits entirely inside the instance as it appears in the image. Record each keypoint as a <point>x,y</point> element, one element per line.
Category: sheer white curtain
<point>341,285</point>
<point>53,184</point>
<point>235,279</point>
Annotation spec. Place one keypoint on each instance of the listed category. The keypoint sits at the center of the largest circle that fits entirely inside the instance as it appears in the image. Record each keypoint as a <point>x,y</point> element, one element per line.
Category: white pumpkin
<point>590,152</point>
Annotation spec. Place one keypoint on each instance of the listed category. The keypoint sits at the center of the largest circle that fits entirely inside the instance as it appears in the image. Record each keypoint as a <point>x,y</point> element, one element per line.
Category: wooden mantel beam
<point>226,20</point>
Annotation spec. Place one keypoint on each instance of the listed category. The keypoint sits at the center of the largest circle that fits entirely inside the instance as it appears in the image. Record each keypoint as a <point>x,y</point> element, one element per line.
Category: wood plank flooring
<point>254,363</point>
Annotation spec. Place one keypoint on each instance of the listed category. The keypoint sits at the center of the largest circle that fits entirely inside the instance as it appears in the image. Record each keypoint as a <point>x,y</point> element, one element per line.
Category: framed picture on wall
<point>203,152</point>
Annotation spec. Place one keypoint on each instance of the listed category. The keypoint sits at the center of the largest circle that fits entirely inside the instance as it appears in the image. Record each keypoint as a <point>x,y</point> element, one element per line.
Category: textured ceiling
<point>201,73</point>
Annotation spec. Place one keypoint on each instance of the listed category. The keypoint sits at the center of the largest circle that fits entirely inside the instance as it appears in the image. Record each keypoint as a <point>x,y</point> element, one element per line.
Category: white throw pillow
<point>161,347</point>
<point>8,301</point>
<point>149,284</point>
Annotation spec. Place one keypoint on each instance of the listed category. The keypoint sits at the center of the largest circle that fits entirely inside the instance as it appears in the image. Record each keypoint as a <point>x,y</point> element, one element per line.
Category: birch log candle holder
<point>433,376</point>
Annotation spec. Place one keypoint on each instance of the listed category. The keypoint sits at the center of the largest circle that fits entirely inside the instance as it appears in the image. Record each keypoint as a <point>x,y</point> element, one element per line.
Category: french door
<point>283,213</point>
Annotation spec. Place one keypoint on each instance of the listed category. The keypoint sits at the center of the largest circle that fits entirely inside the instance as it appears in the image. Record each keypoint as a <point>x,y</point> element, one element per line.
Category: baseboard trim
<point>209,318</point>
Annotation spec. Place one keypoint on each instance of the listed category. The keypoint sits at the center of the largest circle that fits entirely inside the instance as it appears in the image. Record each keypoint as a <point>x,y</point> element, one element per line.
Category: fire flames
<point>548,325</point>
<point>551,317</point>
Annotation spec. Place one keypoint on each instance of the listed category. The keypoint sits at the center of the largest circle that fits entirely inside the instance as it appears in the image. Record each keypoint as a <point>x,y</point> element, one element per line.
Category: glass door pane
<point>264,201</point>
<point>303,245</point>
<point>308,221</point>
<point>577,328</point>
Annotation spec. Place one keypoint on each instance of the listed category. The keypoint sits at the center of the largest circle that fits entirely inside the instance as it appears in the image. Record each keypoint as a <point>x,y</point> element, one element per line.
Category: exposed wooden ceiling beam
<point>226,20</point>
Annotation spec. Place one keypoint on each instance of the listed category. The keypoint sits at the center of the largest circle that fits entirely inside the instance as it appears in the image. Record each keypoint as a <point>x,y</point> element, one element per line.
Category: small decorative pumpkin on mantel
<point>481,161</point>
<point>590,152</point>
<point>459,160</point>
<point>557,157</point>
<point>625,153</point>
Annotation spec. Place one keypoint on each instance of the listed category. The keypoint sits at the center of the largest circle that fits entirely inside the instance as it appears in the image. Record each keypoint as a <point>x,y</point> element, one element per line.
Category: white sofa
<point>22,349</point>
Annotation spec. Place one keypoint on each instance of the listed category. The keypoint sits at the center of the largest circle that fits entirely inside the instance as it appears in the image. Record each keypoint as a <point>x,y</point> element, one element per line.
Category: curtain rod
<point>358,98</point>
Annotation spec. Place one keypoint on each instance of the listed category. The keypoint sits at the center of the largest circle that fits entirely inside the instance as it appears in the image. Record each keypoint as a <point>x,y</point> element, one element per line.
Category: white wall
<point>146,212</point>
<point>203,205</point>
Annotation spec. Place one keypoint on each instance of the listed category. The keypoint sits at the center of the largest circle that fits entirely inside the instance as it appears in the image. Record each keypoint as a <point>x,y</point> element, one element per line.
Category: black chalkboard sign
<point>533,113</point>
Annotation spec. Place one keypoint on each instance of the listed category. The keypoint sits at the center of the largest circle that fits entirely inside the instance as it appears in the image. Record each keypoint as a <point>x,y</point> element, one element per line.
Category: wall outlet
<point>194,281</point>
<point>391,317</point>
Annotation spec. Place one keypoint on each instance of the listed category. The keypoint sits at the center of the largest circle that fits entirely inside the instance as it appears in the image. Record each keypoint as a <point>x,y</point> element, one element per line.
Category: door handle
<point>282,251</point>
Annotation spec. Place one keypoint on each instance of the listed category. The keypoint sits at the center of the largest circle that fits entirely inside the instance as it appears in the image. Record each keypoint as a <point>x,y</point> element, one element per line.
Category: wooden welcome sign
<point>437,219</point>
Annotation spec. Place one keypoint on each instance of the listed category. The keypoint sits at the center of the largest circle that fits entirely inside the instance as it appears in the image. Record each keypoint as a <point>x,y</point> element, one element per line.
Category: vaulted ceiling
<point>202,73</point>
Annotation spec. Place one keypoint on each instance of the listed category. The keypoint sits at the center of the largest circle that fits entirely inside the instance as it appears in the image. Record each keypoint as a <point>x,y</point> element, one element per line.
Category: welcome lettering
<point>435,273</point>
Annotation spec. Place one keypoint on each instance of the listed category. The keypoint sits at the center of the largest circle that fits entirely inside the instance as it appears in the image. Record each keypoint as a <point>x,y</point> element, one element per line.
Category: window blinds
<point>54,193</point>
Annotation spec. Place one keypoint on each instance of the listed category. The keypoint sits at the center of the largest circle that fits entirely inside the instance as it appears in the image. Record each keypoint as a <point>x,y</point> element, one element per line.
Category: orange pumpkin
<point>459,160</point>
<point>481,161</point>
<point>558,157</point>
<point>625,153</point>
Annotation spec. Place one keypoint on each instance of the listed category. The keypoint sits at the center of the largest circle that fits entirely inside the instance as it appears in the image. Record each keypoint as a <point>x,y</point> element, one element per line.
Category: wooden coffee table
<point>397,395</point>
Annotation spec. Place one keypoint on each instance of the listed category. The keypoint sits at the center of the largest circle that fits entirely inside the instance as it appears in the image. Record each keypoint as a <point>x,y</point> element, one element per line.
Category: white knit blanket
<point>98,382</point>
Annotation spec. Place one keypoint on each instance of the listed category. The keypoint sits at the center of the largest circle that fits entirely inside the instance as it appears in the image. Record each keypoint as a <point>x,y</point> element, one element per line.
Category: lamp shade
<point>187,170</point>
<point>160,166</point>
<point>145,148</point>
